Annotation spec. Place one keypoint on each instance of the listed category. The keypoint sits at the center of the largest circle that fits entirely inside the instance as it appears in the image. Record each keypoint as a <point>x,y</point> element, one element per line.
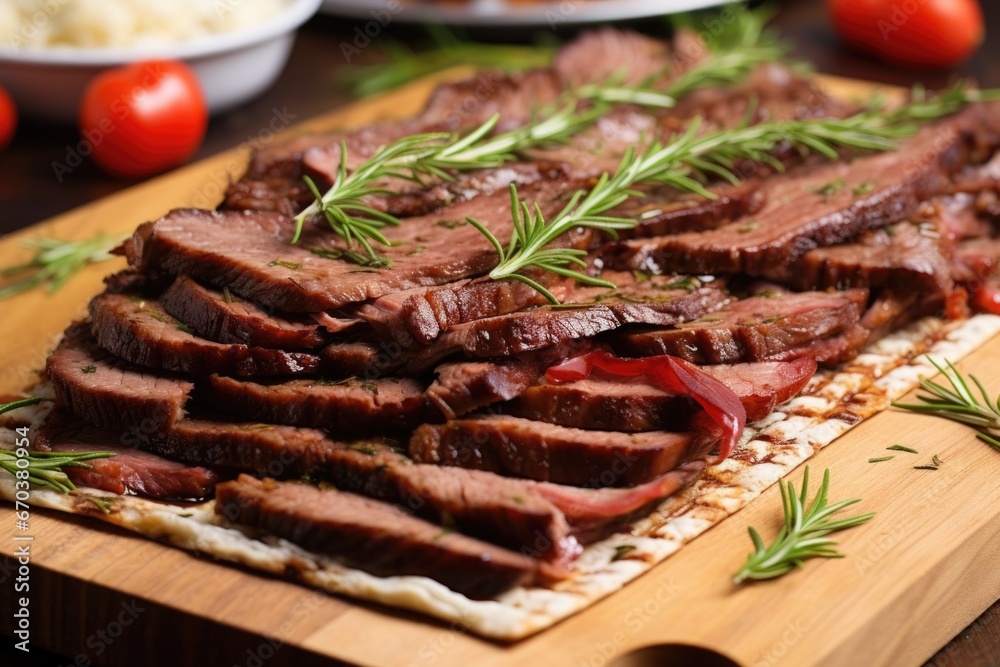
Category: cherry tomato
<point>143,118</point>
<point>987,299</point>
<point>8,119</point>
<point>932,33</point>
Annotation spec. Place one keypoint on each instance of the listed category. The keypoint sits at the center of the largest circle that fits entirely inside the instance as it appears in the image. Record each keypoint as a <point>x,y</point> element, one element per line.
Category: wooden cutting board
<point>915,576</point>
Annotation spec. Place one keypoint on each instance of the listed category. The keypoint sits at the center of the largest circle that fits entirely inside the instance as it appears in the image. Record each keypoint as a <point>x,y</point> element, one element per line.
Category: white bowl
<point>48,83</point>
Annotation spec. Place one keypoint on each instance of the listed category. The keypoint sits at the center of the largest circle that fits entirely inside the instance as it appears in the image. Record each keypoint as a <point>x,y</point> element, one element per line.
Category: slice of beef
<point>250,252</point>
<point>421,314</point>
<point>139,330</point>
<point>356,358</point>
<point>603,54</point>
<point>345,407</point>
<point>832,350</point>
<point>225,318</point>
<point>108,392</point>
<point>465,386</point>
<point>903,257</point>
<point>664,210</point>
<point>546,452</point>
<point>588,312</point>
<point>373,536</point>
<point>813,206</point>
<point>754,329</point>
<point>615,405</point>
<point>975,260</point>
<point>500,510</point>
<point>129,470</point>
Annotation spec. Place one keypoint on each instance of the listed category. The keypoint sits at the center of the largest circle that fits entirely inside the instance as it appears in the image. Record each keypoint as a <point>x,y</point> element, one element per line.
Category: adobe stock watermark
<point>44,13</point>
<point>213,189</point>
<point>364,34</point>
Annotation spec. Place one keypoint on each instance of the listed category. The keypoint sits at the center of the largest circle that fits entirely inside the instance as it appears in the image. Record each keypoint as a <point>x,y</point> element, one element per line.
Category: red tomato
<point>144,118</point>
<point>933,33</point>
<point>987,299</point>
<point>8,119</point>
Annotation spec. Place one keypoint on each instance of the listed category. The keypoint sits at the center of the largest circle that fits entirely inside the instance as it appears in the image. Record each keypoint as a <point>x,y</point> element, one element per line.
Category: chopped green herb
<point>936,460</point>
<point>747,228</point>
<point>864,188</point>
<point>689,283</point>
<point>103,504</point>
<point>518,500</point>
<point>772,320</point>
<point>370,387</point>
<point>640,276</point>
<point>901,448</point>
<point>880,459</point>
<point>185,328</point>
<point>364,448</point>
<point>831,188</point>
<point>621,551</point>
<point>766,294</point>
<point>89,369</point>
<point>346,382</point>
<point>450,224</point>
<point>227,296</point>
<point>416,251</point>
<point>288,265</point>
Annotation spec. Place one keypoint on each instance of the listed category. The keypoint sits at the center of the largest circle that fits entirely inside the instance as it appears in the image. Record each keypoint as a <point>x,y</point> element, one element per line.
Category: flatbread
<point>833,402</point>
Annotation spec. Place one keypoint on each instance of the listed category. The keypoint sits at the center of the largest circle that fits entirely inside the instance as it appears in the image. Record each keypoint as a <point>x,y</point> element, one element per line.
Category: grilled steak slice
<point>107,392</point>
<point>588,312</point>
<point>224,318</point>
<point>250,252</point>
<point>754,329</point>
<point>129,470</point>
<point>504,511</point>
<point>356,359</point>
<point>813,206</point>
<point>373,536</point>
<point>830,351</point>
<point>546,452</point>
<point>348,406</point>
<point>902,257</point>
<point>664,210</point>
<point>423,313</point>
<point>139,331</point>
<point>614,405</point>
<point>465,386</point>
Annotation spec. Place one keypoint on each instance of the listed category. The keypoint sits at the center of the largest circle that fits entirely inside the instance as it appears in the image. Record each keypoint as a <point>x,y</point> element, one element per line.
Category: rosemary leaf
<point>901,448</point>
<point>46,468</point>
<point>57,261</point>
<point>804,534</point>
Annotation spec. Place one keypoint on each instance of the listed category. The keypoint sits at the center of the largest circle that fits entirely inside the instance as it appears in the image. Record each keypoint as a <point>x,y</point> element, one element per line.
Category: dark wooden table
<point>29,191</point>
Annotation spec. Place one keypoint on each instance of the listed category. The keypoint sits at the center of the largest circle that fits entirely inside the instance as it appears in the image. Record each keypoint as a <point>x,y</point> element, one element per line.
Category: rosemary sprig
<point>435,155</point>
<point>959,403</point>
<point>686,162</point>
<point>56,261</point>
<point>804,534</point>
<point>46,468</point>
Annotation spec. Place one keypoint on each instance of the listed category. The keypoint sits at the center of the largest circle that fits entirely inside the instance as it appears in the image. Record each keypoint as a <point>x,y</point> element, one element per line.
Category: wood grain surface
<point>101,595</point>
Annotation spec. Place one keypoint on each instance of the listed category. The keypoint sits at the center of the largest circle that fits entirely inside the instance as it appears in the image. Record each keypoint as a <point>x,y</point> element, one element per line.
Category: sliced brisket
<point>345,407</point>
<point>225,318</point>
<point>615,405</point>
<point>587,312</point>
<point>813,206</point>
<point>108,392</point>
<point>129,470</point>
<point>263,267</point>
<point>139,330</point>
<point>754,329</point>
<point>376,537</point>
<point>546,452</point>
<point>465,386</point>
